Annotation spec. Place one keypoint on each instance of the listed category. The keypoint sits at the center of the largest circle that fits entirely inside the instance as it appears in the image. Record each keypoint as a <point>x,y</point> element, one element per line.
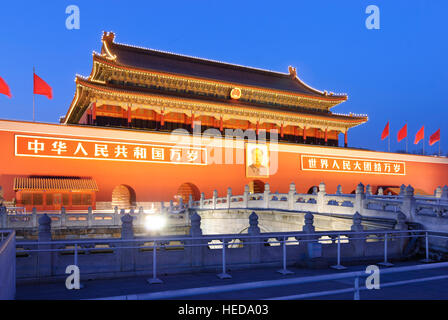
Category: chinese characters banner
<point>54,147</point>
<point>351,165</point>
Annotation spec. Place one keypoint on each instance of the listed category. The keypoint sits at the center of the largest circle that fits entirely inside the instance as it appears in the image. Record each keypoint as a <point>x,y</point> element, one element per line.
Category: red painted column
<point>345,138</point>
<point>192,121</point>
<point>281,131</point>
<point>326,136</point>
<point>304,134</point>
<point>162,118</point>
<point>129,116</point>
<point>221,124</point>
<point>257,127</point>
<point>94,113</point>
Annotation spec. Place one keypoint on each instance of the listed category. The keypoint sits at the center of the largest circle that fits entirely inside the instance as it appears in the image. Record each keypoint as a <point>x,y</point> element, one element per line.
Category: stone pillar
<point>402,190</point>
<point>266,195</point>
<point>321,203</point>
<point>90,218</point>
<point>401,222</point>
<point>201,201</point>
<point>339,190</point>
<point>254,243</point>
<point>116,210</point>
<point>171,207</point>
<point>380,191</point>
<point>197,249</point>
<point>438,192</point>
<point>44,258</point>
<point>4,217</point>
<point>181,203</point>
<point>229,197</point>
<point>246,196</point>
<point>369,190</point>
<point>357,240</point>
<point>408,203</point>
<point>402,226</point>
<point>140,210</point>
<point>34,218</point>
<point>308,226</point>
<point>190,201</point>
<point>63,217</point>
<point>444,194</point>
<point>127,255</point>
<point>359,198</point>
<point>214,199</point>
<point>315,190</point>
<point>291,194</point>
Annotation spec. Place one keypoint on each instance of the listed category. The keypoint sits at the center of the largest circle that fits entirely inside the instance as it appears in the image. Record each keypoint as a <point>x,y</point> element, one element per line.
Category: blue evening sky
<point>398,73</point>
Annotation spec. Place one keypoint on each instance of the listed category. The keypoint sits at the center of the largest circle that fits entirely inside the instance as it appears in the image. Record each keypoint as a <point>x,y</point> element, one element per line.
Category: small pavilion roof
<point>49,184</point>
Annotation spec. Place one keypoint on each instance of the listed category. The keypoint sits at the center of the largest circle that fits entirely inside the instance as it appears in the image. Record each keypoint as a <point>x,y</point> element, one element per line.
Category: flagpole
<point>389,144</point>
<point>423,144</point>
<point>406,143</point>
<point>34,97</point>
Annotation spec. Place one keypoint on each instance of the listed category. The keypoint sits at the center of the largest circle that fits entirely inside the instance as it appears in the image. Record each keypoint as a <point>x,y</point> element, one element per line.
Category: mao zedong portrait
<point>256,167</point>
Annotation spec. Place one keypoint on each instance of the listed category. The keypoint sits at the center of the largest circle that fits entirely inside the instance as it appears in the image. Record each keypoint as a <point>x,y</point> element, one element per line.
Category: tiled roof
<point>203,68</point>
<point>63,184</point>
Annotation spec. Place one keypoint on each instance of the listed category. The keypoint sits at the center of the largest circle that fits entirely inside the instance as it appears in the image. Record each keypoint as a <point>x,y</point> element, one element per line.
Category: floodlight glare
<point>155,222</point>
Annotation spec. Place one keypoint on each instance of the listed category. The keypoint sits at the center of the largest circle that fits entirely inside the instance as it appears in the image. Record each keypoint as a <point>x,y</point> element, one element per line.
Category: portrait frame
<point>250,161</point>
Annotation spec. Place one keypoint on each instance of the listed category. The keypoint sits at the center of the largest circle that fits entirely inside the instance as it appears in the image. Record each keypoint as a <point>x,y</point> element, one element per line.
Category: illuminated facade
<point>114,146</point>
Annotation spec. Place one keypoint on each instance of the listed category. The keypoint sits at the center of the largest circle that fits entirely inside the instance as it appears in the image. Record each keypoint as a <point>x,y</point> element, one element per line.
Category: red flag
<point>4,89</point>
<point>41,87</point>
<point>385,133</point>
<point>420,135</point>
<point>434,137</point>
<point>403,133</point>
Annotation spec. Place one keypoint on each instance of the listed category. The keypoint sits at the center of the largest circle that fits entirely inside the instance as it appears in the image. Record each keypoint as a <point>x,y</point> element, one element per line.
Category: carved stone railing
<point>173,254</point>
<point>363,201</point>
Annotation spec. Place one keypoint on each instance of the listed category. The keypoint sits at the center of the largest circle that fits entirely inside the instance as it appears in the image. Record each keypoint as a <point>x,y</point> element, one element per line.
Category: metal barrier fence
<point>228,241</point>
<point>7,265</point>
<point>357,275</point>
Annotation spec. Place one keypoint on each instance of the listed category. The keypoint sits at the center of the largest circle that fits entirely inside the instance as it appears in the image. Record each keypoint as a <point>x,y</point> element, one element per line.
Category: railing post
<point>44,257</point>
<point>63,218</point>
<point>195,246</point>
<point>321,203</point>
<point>201,201</point>
<point>360,197</point>
<point>224,274</point>
<point>254,243</point>
<point>154,279</point>
<point>356,294</point>
<point>385,263</point>
<point>338,266</point>
<point>284,271</point>
<point>266,195</point>
<point>90,218</point>
<point>127,255</point>
<point>229,197</point>
<point>291,194</point>
<point>246,196</point>
<point>34,218</point>
<point>214,199</point>
<point>76,255</point>
<point>426,260</point>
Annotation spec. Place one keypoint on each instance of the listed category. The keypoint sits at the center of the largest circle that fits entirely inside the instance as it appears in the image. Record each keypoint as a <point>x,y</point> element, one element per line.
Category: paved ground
<point>436,289</point>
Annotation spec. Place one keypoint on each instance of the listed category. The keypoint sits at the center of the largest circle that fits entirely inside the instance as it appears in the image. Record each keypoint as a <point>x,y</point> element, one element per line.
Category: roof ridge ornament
<point>108,37</point>
<point>292,71</point>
